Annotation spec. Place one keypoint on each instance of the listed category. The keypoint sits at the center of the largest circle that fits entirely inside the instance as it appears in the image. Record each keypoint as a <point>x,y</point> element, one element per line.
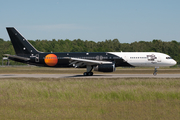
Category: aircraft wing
<point>77,62</point>
<point>17,57</point>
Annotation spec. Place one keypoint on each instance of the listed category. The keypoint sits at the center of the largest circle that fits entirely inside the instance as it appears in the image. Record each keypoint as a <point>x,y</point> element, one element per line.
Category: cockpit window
<point>168,58</point>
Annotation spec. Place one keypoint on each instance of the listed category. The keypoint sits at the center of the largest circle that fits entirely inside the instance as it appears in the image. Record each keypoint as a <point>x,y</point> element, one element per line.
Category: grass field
<point>91,99</point>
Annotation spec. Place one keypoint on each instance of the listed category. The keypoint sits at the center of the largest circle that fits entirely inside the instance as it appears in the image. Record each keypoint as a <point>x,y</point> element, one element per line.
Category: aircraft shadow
<point>74,76</point>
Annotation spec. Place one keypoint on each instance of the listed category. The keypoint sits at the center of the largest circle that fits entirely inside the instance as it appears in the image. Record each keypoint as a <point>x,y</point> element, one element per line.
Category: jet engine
<point>105,68</point>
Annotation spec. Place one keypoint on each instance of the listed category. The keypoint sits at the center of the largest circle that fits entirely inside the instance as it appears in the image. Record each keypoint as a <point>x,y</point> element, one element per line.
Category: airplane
<point>97,61</point>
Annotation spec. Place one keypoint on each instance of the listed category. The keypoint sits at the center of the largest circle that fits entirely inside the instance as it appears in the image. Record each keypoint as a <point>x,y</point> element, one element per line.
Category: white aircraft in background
<point>99,61</point>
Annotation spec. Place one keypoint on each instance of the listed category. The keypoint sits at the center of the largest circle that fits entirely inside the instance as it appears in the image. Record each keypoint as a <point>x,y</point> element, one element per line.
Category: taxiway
<point>94,76</point>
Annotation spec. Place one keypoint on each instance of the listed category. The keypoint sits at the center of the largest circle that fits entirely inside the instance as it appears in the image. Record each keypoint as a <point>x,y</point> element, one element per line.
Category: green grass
<point>74,98</point>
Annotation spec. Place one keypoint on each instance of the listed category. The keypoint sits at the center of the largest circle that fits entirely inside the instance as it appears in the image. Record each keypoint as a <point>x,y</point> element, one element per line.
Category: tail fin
<point>21,46</point>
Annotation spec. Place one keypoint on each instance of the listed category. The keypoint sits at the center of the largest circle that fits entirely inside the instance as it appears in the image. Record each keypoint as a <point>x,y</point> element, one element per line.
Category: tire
<point>154,73</point>
<point>85,73</point>
<point>90,73</point>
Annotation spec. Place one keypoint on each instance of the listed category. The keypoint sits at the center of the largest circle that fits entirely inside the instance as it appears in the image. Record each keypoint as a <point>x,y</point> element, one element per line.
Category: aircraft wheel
<point>90,73</point>
<point>85,74</point>
<point>154,73</point>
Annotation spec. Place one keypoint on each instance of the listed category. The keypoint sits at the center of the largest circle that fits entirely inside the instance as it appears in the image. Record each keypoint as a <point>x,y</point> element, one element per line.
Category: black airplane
<point>99,61</point>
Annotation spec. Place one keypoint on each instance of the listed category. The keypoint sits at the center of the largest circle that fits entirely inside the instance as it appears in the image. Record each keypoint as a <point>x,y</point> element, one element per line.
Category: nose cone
<point>173,62</point>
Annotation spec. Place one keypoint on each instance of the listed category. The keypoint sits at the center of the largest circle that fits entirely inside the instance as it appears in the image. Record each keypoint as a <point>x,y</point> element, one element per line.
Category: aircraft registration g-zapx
<point>99,61</point>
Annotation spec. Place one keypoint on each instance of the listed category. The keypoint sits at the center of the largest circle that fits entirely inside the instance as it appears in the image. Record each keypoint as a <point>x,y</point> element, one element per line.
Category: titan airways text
<point>99,61</point>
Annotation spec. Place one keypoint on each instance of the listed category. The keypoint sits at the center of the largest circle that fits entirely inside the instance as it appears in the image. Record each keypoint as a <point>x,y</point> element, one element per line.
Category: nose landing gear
<point>155,71</point>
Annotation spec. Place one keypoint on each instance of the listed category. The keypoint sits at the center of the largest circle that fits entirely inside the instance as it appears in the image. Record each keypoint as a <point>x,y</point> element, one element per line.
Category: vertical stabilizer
<point>21,46</point>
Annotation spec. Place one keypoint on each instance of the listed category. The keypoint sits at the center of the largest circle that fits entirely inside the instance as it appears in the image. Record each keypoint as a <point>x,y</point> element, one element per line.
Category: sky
<point>92,20</point>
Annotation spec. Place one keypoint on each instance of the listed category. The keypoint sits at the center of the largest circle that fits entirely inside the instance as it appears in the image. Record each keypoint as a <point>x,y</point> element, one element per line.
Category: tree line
<point>171,48</point>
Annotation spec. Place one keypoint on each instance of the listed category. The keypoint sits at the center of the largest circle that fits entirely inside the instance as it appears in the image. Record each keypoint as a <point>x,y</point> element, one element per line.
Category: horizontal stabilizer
<point>17,57</point>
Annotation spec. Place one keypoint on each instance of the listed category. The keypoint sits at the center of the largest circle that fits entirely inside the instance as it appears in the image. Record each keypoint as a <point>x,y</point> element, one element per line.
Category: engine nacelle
<point>105,68</point>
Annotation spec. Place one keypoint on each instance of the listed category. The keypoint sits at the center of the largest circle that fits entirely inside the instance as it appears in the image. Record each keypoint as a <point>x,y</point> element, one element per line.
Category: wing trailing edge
<point>79,62</point>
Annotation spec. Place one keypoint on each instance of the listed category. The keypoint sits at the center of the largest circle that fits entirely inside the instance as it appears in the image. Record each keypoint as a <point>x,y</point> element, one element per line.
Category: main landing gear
<point>89,69</point>
<point>88,73</point>
<point>155,71</point>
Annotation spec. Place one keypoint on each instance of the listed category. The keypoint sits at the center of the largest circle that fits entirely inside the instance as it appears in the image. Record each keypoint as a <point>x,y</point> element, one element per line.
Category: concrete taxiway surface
<point>94,76</point>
